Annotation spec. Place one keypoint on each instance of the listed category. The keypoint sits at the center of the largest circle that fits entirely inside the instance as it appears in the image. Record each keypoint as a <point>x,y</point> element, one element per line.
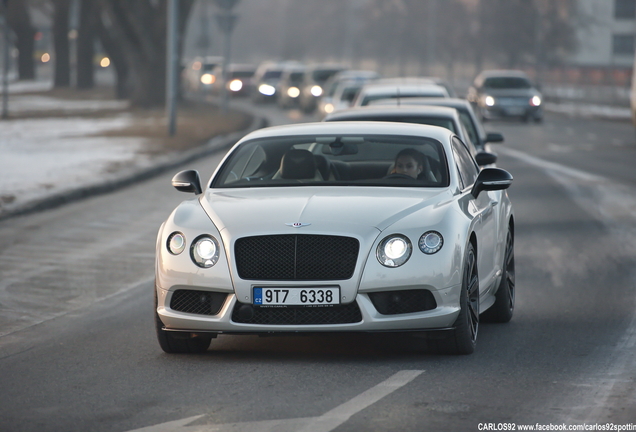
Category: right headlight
<point>394,250</point>
<point>489,101</point>
<point>205,251</point>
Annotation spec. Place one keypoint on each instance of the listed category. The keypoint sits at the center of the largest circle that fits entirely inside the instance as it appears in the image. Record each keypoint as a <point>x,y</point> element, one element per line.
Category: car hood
<point>358,211</point>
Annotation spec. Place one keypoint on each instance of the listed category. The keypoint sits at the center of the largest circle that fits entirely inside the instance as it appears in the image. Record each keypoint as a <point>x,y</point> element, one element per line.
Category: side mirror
<point>485,158</point>
<point>491,179</point>
<point>494,137</point>
<point>187,181</point>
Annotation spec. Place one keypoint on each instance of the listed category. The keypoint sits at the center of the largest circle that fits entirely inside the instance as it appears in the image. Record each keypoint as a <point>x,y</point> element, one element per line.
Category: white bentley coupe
<point>338,227</point>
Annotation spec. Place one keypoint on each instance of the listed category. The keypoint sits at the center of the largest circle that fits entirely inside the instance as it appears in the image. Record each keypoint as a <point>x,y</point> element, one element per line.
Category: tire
<point>179,343</point>
<point>503,308</point>
<point>462,339</point>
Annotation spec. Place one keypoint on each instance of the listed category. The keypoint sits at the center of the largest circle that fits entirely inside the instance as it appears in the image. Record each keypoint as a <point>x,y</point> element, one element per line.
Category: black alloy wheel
<point>463,338</point>
<point>503,308</point>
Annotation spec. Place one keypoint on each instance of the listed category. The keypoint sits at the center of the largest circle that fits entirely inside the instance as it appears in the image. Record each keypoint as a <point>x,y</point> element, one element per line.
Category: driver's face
<point>407,165</point>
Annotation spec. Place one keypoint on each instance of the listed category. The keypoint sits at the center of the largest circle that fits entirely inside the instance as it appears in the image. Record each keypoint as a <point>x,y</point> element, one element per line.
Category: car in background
<point>473,125</point>
<point>398,90</point>
<point>342,88</point>
<point>265,82</point>
<point>313,86</point>
<point>239,81</point>
<point>423,80</point>
<point>199,74</point>
<point>289,86</point>
<point>506,93</point>
<point>301,230</point>
<point>445,117</point>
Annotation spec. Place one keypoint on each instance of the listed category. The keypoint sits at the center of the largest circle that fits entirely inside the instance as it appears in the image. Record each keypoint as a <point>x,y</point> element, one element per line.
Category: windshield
<point>347,160</point>
<point>322,75</point>
<point>507,83</point>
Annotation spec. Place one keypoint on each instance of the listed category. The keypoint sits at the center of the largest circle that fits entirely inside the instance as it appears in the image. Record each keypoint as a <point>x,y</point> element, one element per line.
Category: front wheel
<point>463,338</point>
<point>503,308</point>
<point>179,343</point>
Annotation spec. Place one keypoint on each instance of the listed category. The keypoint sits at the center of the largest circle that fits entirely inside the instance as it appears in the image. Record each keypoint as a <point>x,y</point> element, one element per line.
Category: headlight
<point>207,79</point>
<point>205,251</point>
<point>176,243</point>
<point>329,108</point>
<point>394,250</point>
<point>489,101</point>
<point>316,90</point>
<point>535,101</point>
<point>267,89</point>
<point>293,92</point>
<point>431,242</point>
<point>236,85</point>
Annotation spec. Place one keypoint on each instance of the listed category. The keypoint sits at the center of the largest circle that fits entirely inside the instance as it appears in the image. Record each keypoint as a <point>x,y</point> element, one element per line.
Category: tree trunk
<point>86,44</point>
<point>139,27</point>
<point>20,23</point>
<point>61,45</point>
<point>116,56</point>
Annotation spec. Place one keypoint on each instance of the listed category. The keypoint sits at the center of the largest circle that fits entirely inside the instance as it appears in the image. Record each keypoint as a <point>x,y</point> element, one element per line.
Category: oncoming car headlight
<point>205,251</point>
<point>431,242</point>
<point>394,250</point>
<point>489,101</point>
<point>176,243</point>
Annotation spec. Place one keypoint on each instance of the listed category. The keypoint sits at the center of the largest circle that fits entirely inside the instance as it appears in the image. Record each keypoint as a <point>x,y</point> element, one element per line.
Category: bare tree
<point>62,57</point>
<point>20,22</point>
<point>86,37</point>
<point>139,27</point>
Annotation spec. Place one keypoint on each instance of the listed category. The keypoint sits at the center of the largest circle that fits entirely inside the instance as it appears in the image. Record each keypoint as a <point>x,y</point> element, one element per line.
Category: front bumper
<point>503,111</point>
<point>362,315</point>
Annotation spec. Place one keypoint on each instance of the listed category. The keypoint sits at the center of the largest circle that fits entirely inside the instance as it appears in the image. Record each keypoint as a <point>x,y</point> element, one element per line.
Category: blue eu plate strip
<point>258,296</point>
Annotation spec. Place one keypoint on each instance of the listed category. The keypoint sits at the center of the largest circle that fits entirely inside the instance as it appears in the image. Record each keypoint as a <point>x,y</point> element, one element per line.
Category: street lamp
<point>4,23</point>
<point>172,65</point>
<point>226,20</point>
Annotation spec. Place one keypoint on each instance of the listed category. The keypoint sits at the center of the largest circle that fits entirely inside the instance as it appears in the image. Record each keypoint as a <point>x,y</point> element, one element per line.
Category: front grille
<point>197,302</point>
<point>296,257</point>
<point>342,314</point>
<point>401,302</point>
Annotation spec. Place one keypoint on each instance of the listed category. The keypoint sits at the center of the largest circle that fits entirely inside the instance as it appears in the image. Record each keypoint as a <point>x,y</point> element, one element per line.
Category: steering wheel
<point>399,176</point>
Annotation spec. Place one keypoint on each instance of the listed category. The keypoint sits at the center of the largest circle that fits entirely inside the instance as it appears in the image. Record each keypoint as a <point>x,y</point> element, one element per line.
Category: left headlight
<point>431,242</point>
<point>205,251</point>
<point>394,250</point>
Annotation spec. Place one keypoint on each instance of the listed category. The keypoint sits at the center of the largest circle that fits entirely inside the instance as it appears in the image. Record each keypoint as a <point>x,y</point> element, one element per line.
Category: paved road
<point>78,351</point>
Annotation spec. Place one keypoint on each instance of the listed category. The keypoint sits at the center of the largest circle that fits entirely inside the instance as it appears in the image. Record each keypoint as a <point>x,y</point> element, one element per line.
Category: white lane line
<point>325,423</point>
<point>337,416</point>
<point>547,165</point>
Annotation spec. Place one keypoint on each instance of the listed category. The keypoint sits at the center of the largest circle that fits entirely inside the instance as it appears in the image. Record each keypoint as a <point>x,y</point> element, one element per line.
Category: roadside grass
<point>197,121</point>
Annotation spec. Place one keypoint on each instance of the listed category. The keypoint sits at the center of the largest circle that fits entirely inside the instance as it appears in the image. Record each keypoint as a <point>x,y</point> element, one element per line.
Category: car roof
<point>393,111</point>
<point>351,127</point>
<point>373,88</point>
<point>456,103</point>
<point>503,73</point>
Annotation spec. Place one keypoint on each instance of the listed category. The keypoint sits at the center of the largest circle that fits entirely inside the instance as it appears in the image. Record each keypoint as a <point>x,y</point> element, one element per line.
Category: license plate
<point>515,110</point>
<point>277,296</point>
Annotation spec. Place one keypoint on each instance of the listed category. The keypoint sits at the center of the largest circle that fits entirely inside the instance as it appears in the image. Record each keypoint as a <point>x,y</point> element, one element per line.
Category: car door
<point>484,210</point>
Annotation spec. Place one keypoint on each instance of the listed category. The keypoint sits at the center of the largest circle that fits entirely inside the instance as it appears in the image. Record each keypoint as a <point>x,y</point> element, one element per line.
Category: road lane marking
<point>337,416</point>
<point>325,423</point>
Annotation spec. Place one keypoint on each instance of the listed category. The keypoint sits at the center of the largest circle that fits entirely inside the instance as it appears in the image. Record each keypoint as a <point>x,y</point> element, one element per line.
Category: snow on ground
<point>40,157</point>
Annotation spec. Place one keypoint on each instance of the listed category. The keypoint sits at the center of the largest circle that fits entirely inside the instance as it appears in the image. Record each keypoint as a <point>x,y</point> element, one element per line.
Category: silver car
<point>325,227</point>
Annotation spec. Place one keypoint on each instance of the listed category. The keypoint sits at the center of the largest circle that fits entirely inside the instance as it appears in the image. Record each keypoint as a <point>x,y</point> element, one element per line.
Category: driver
<point>409,162</point>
